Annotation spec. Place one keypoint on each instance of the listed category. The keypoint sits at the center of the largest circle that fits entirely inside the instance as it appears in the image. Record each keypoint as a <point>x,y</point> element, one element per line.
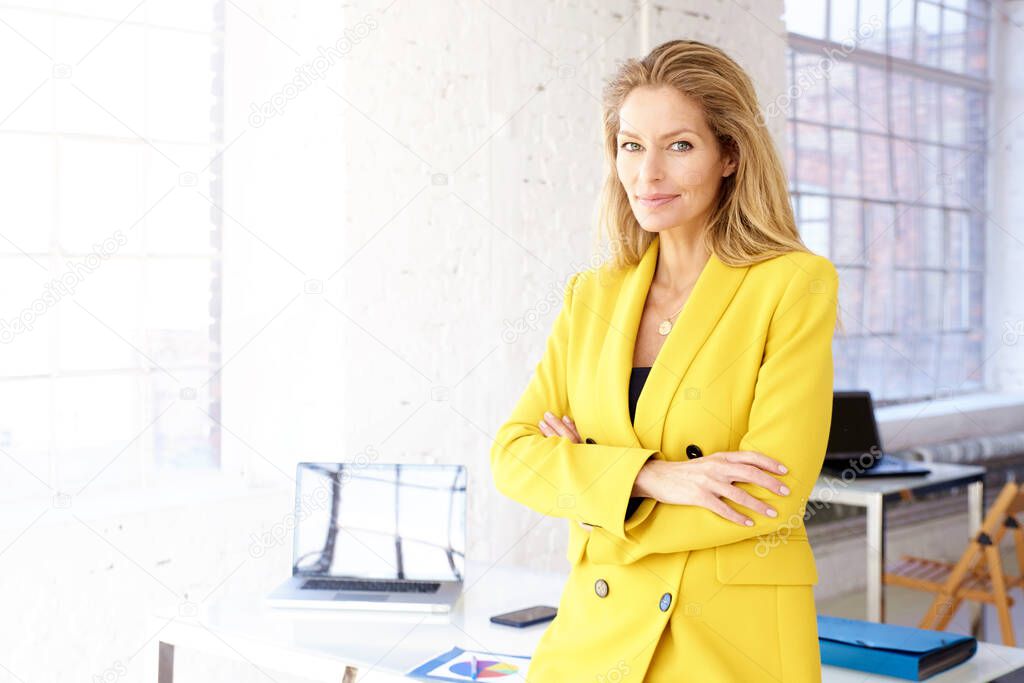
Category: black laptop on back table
<point>854,441</point>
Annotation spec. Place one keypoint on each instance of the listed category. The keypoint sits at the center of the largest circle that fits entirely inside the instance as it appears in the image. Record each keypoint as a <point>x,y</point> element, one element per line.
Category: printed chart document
<point>457,665</point>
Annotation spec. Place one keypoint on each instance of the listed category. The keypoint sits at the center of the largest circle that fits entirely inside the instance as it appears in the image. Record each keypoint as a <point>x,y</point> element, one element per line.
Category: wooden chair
<point>978,575</point>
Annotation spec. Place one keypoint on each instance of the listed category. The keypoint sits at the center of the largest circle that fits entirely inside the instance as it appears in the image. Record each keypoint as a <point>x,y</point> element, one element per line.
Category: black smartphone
<point>526,617</point>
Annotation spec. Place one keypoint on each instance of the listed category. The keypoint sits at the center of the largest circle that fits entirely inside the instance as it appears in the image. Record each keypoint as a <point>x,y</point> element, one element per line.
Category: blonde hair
<point>752,219</point>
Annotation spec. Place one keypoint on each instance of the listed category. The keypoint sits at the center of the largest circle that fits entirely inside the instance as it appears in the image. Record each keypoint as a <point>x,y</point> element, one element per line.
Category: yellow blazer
<point>676,592</point>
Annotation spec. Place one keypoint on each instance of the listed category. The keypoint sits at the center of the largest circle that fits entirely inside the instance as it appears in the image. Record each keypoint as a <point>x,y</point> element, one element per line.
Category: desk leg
<point>876,558</point>
<point>165,670</point>
<point>975,514</point>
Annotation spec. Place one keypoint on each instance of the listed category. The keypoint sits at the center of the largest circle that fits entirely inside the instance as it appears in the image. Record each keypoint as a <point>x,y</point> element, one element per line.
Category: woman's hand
<point>702,481</point>
<point>552,426</point>
<point>706,480</point>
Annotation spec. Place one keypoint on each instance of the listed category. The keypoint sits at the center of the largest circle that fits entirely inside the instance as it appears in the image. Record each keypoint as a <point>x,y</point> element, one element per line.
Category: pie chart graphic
<point>485,668</point>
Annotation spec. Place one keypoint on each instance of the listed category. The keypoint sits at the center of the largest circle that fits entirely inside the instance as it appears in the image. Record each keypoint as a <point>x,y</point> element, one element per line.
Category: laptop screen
<point>380,521</point>
<point>854,430</point>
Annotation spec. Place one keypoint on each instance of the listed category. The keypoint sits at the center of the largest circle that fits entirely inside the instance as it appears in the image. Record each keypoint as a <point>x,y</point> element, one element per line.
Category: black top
<point>637,378</point>
<point>636,382</point>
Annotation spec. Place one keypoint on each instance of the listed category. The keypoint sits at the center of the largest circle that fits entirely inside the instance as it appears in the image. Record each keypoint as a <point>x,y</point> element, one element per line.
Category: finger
<point>556,425</point>
<point>545,429</point>
<point>755,475</point>
<point>572,428</point>
<point>738,495</point>
<point>716,505</point>
<point>757,459</point>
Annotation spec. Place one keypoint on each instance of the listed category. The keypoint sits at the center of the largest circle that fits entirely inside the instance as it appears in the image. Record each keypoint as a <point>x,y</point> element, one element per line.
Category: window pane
<point>958,252</point>
<point>952,360</point>
<point>845,162</point>
<point>815,222</point>
<point>954,177</point>
<point>848,228</point>
<point>955,298</point>
<point>843,95</point>
<point>923,365</point>
<point>901,28</point>
<point>977,240</point>
<point>812,158</point>
<point>933,237</point>
<point>872,25</point>
<point>806,17</point>
<point>954,115</point>
<point>873,100</point>
<point>927,34</point>
<point>954,38</point>
<point>904,159</point>
<point>902,105</point>
<point>29,300</point>
<point>932,282</point>
<point>812,86</point>
<point>26,192</point>
<point>843,21</point>
<point>926,97</point>
<point>930,170</point>
<point>104,420</point>
<point>880,220</point>
<point>26,428</point>
<point>877,182</point>
<point>880,304</point>
<point>977,47</point>
<point>184,437</point>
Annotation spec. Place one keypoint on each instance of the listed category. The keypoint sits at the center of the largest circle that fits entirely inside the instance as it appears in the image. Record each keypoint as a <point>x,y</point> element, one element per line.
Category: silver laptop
<point>378,537</point>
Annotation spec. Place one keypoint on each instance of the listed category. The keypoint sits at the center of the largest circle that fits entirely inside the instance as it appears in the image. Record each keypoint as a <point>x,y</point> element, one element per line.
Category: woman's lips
<point>654,201</point>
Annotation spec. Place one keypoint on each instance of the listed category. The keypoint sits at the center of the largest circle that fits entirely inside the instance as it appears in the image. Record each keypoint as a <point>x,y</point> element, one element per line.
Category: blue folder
<point>889,649</point>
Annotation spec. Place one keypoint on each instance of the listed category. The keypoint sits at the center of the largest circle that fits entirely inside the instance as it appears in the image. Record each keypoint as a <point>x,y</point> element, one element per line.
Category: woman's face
<point>668,161</point>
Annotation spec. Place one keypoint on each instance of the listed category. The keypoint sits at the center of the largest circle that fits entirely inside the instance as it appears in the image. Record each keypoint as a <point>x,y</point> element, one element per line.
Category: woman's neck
<point>681,258</point>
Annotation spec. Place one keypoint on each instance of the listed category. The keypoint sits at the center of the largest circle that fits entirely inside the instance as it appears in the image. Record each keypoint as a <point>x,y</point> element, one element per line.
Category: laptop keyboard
<point>381,585</point>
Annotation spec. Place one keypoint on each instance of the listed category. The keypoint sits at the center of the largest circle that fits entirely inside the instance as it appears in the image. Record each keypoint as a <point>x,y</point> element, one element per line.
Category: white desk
<point>324,644</point>
<point>378,648</point>
<point>873,494</point>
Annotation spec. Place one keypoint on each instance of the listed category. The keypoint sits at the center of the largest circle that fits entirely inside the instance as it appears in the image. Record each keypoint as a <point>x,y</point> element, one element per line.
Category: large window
<point>887,124</point>
<point>109,243</point>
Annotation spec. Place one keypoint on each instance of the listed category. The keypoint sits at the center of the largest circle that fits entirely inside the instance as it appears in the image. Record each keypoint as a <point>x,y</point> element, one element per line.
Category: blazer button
<point>601,588</point>
<point>666,600</point>
<point>589,440</point>
<point>693,451</point>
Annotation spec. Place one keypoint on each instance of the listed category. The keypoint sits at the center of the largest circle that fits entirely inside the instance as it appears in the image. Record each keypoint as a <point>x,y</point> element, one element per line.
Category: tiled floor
<point>907,607</point>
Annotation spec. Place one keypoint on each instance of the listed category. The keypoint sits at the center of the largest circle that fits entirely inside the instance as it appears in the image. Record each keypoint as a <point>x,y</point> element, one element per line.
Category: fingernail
<point>749,522</point>
<point>547,414</point>
<point>565,419</point>
<point>541,424</point>
<point>782,468</point>
<point>784,490</point>
<point>772,513</point>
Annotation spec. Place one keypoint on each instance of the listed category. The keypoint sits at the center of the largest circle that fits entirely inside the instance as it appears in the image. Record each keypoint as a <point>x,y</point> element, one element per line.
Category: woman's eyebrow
<point>631,134</point>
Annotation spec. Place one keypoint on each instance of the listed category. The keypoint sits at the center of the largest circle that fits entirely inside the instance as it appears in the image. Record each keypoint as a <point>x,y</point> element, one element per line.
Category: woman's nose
<point>652,167</point>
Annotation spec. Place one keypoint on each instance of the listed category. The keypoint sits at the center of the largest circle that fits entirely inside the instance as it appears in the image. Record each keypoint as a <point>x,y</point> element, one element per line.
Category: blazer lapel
<point>714,289</point>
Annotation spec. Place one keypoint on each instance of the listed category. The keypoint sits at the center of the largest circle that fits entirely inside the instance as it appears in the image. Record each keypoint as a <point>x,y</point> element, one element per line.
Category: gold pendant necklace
<point>665,326</point>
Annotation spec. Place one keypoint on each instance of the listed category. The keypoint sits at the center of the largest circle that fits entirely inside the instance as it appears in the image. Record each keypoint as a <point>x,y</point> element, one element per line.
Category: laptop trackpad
<point>371,597</point>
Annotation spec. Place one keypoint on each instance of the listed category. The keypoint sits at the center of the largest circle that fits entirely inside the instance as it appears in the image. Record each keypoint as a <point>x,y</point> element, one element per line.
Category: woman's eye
<point>628,149</point>
<point>683,142</point>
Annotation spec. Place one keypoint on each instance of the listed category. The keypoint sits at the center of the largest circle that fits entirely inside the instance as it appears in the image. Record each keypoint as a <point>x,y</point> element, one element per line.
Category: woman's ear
<point>731,158</point>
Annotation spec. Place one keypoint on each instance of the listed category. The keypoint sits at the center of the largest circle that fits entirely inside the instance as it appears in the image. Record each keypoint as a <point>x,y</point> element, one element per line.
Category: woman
<point>690,560</point>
